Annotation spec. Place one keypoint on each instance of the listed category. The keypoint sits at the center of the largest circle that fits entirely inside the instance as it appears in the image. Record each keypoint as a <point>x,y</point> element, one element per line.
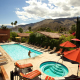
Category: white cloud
<point>22,23</point>
<point>54,9</point>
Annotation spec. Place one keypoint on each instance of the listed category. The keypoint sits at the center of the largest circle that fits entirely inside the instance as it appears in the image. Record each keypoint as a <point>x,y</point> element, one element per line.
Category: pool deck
<point>36,61</point>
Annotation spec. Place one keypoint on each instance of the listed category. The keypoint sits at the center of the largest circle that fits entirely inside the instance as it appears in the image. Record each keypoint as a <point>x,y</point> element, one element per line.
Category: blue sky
<point>31,11</point>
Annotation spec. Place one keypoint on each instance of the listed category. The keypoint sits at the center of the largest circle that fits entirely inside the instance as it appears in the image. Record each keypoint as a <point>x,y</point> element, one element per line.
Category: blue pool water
<point>18,52</point>
<point>54,69</point>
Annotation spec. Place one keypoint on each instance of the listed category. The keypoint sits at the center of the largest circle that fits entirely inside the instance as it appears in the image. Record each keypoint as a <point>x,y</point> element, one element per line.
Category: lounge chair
<point>2,57</point>
<point>1,54</point>
<point>35,46</point>
<point>43,48</point>
<point>49,78</point>
<point>48,48</point>
<point>23,65</point>
<point>3,60</point>
<point>52,50</point>
<point>30,75</point>
<point>3,41</point>
<point>60,51</point>
<point>39,47</point>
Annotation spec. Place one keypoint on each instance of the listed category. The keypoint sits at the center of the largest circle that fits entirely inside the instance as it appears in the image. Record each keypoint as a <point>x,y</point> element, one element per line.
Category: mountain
<point>51,23</point>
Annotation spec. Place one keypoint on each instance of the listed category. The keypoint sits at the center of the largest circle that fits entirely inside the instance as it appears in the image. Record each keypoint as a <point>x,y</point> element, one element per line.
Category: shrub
<point>13,35</point>
<point>23,40</point>
<point>32,38</point>
<point>64,38</point>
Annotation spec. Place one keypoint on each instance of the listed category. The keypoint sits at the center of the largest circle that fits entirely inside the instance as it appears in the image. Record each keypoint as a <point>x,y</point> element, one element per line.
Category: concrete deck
<point>37,61</point>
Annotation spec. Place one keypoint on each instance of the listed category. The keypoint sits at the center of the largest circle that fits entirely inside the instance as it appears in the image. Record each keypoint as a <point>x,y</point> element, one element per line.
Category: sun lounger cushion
<point>23,65</point>
<point>31,75</point>
<point>49,78</point>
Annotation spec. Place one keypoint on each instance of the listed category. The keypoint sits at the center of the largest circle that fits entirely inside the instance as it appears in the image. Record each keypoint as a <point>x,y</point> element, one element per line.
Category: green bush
<point>13,35</point>
<point>23,40</point>
<point>40,39</point>
<point>32,38</point>
<point>64,38</point>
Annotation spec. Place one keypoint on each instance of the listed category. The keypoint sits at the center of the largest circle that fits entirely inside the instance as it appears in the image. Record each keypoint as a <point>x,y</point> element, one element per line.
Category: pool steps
<point>56,69</point>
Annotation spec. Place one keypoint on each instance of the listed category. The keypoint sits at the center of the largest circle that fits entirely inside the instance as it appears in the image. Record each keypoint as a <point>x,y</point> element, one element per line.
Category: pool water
<point>18,52</point>
<point>54,69</point>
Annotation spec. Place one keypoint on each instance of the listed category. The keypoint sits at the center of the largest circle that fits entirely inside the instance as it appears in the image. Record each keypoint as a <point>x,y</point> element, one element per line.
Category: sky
<point>32,11</point>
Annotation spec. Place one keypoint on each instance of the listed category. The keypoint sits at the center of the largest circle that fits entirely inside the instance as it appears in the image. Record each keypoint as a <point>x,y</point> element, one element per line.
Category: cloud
<point>22,23</point>
<point>52,9</point>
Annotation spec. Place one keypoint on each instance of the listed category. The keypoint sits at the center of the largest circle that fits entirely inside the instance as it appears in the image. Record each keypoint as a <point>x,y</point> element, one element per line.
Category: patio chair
<point>60,51</point>
<point>49,78</point>
<point>1,53</point>
<point>52,50</point>
<point>30,75</point>
<point>29,44</point>
<point>28,65</point>
<point>43,48</point>
<point>2,57</point>
<point>3,41</point>
<point>3,60</point>
<point>48,48</point>
<point>35,46</point>
<point>38,47</point>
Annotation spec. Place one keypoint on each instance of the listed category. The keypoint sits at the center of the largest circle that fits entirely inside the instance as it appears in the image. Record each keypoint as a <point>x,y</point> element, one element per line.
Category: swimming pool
<point>18,52</point>
<point>54,69</point>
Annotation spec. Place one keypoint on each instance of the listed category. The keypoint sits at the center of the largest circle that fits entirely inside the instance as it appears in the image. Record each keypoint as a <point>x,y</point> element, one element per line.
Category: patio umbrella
<point>18,37</point>
<point>75,39</point>
<point>67,44</point>
<point>73,55</point>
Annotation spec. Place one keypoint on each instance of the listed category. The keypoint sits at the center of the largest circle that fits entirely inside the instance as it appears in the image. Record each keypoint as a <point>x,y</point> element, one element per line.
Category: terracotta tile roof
<point>23,34</point>
<point>3,34</point>
<point>50,34</point>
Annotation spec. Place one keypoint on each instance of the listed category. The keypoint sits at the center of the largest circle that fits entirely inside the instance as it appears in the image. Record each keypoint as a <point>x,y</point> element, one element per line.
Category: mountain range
<point>53,24</point>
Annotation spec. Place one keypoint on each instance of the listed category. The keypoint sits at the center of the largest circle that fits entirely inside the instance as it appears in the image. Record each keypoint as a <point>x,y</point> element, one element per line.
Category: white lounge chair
<point>52,50</point>
<point>47,48</point>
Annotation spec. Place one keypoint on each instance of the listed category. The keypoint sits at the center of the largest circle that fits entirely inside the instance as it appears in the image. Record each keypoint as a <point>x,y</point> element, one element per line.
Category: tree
<point>20,30</point>
<point>29,28</point>
<point>3,27</point>
<point>13,35</point>
<point>73,28</point>
<point>15,22</point>
<point>12,23</point>
<point>48,29</point>
<point>78,30</point>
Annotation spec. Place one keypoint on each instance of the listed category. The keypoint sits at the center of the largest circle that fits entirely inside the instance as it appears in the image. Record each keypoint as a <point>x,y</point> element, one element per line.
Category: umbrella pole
<point>62,59</point>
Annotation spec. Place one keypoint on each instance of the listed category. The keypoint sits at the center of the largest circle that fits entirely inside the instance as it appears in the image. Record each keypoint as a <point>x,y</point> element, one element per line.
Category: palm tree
<point>15,22</point>
<point>12,23</point>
